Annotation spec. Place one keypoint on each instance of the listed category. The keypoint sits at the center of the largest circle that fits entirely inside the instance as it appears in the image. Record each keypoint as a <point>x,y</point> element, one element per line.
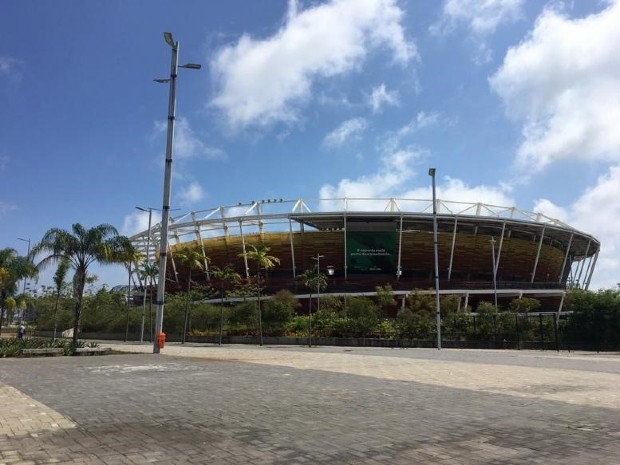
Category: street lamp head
<point>431,172</point>
<point>169,39</point>
<point>191,66</point>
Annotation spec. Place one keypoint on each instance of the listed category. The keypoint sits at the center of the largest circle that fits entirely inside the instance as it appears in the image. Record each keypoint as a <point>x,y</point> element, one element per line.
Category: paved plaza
<point>198,404</point>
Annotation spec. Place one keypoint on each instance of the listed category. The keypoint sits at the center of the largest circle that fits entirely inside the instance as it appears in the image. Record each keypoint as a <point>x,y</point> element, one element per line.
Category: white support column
<point>540,242</point>
<point>290,228</point>
<point>245,258</point>
<point>452,249</point>
<point>399,270</point>
<point>566,255</point>
<point>205,260</point>
<point>499,249</point>
<point>591,270</point>
<point>583,263</point>
<point>174,266</point>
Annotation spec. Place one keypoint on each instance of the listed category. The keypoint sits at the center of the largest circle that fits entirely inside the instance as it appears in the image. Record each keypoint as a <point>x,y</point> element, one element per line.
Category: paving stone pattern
<point>242,405</point>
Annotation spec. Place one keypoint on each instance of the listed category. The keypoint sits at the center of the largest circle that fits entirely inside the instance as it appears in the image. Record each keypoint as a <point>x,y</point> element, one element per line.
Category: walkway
<point>299,405</point>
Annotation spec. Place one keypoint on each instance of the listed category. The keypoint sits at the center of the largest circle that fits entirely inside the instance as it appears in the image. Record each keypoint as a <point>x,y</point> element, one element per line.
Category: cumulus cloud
<point>5,208</point>
<point>422,120</point>
<point>481,17</point>
<point>563,84</point>
<point>192,193</point>
<point>395,170</point>
<point>457,190</point>
<point>380,96</point>
<point>186,143</point>
<point>7,64</point>
<point>262,81</point>
<point>138,221</point>
<point>596,211</point>
<point>394,177</point>
<point>350,130</point>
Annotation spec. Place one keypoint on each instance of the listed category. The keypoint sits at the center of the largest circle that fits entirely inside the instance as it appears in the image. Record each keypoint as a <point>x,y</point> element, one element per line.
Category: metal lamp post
<point>431,173</point>
<point>165,211</point>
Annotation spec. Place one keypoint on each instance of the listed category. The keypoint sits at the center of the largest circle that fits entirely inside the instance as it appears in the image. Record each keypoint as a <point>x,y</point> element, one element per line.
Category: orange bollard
<point>161,340</point>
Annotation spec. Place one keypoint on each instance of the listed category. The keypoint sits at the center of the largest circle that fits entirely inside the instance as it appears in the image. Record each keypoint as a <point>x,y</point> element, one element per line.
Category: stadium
<point>485,252</point>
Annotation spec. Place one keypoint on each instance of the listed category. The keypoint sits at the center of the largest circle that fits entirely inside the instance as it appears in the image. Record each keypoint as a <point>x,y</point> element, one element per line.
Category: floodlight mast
<point>165,211</point>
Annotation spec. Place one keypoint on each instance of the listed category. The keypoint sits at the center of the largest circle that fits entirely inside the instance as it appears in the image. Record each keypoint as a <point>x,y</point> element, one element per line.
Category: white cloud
<point>457,191</point>
<point>421,120</point>
<point>192,193</point>
<point>261,82</point>
<point>350,130</point>
<point>394,172</point>
<point>186,143</point>
<point>5,208</point>
<point>481,17</point>
<point>7,65</point>
<point>596,212</point>
<point>563,84</point>
<point>138,221</point>
<point>381,96</point>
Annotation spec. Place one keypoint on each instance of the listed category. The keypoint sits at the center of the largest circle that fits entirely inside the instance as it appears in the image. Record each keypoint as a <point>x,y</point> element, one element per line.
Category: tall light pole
<point>165,211</point>
<point>431,173</point>
<point>28,255</point>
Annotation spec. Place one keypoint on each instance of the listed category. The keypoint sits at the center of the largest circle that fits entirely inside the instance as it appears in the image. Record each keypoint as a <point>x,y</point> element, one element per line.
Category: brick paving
<point>292,405</point>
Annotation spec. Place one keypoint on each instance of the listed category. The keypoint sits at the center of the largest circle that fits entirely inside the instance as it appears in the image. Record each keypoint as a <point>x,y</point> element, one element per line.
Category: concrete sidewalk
<point>571,381</point>
<point>246,404</point>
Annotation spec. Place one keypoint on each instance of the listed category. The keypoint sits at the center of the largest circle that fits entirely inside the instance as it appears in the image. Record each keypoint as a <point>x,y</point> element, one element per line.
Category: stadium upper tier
<point>361,242</point>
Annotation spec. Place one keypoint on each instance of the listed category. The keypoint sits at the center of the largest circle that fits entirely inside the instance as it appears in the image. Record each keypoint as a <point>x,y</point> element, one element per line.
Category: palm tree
<point>148,271</point>
<point>131,256</point>
<point>224,274</point>
<point>13,268</point>
<point>81,247</point>
<point>313,279</point>
<point>192,256</point>
<point>59,281</point>
<point>264,261</point>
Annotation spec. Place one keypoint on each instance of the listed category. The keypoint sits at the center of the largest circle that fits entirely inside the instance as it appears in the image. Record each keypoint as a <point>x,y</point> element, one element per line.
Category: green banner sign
<point>371,251</point>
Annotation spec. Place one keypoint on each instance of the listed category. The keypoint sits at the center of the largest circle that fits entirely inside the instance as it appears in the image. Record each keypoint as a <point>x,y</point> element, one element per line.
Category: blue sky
<point>515,102</point>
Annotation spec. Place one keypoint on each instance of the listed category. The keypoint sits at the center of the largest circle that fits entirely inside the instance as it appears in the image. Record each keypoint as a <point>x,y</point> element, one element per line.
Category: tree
<point>313,279</point>
<point>265,262</point>
<point>81,247</point>
<point>193,258</point>
<point>385,298</point>
<point>224,274</point>
<point>131,256</point>
<point>524,305</point>
<point>363,316</point>
<point>148,271</point>
<point>59,281</point>
<point>13,268</point>
<point>279,311</point>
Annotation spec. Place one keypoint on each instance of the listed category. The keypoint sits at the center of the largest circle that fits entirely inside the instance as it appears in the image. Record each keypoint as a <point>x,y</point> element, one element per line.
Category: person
<point>21,332</point>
